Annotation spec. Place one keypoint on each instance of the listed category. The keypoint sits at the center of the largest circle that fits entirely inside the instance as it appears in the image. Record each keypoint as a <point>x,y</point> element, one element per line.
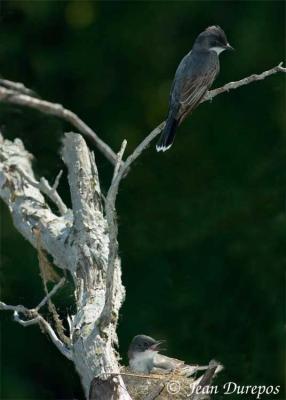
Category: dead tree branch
<point>242,82</point>
<point>209,96</point>
<point>121,170</point>
<point>111,218</point>
<point>78,241</point>
<point>32,317</point>
<point>38,319</point>
<point>13,96</point>
<point>82,240</point>
<point>50,294</point>
<point>16,93</point>
<point>46,188</point>
<point>27,204</point>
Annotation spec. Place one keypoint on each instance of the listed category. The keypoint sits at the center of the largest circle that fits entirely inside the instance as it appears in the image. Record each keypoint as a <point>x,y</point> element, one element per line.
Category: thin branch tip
<point>57,180</point>
<point>44,186</point>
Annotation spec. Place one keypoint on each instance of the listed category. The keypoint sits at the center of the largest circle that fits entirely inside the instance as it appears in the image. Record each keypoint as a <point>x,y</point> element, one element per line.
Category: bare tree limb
<point>38,319</point>
<point>121,170</point>
<point>119,173</point>
<point>14,97</point>
<point>50,294</point>
<point>22,309</point>
<point>57,180</point>
<point>17,86</point>
<point>18,94</point>
<point>111,218</point>
<point>46,188</point>
<point>28,207</point>
<point>138,150</point>
<point>82,240</point>
<point>35,318</point>
<point>79,242</point>
<point>19,308</point>
<point>92,346</point>
<point>119,160</point>
<point>245,81</point>
<point>209,96</point>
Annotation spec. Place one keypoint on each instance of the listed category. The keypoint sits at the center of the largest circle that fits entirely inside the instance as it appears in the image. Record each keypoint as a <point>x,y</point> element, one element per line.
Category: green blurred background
<point>202,228</point>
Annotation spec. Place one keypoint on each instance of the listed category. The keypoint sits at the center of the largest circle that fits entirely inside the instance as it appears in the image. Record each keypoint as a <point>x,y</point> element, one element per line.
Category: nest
<point>160,386</point>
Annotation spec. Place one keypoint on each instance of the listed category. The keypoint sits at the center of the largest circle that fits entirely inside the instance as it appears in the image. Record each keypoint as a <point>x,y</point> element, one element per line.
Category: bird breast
<point>142,361</point>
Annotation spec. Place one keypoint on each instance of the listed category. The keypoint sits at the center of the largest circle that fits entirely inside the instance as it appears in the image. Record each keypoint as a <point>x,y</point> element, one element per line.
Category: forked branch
<point>33,317</point>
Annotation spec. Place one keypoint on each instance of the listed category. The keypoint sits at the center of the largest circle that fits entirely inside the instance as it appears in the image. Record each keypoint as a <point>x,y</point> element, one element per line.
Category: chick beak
<point>156,346</point>
<point>229,47</point>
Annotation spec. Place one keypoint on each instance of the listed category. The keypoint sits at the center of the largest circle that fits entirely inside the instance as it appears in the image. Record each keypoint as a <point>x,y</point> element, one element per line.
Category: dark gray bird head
<point>142,353</point>
<point>144,357</point>
<point>212,39</point>
<point>141,343</point>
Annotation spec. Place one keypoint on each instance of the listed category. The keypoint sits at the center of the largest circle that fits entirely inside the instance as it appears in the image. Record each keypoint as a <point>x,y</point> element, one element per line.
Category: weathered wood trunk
<point>78,242</point>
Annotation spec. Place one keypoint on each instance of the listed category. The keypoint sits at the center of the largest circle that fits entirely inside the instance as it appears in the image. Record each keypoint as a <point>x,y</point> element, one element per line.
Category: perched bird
<point>144,357</point>
<point>194,76</point>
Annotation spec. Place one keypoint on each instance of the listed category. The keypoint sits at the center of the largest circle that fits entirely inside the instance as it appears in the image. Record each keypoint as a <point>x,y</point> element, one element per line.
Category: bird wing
<point>194,88</point>
<point>195,75</point>
<point>167,363</point>
<point>193,92</point>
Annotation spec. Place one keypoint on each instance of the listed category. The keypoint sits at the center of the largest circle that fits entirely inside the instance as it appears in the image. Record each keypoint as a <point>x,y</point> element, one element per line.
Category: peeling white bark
<point>27,205</point>
<point>93,346</point>
<point>78,242</point>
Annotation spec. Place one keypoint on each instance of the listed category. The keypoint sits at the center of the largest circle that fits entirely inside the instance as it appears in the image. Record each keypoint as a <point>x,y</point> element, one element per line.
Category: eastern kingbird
<point>144,357</point>
<point>194,76</point>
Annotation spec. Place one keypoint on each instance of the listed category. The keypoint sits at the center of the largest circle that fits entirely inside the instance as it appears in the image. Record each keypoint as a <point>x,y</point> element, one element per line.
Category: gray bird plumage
<point>144,357</point>
<point>194,76</point>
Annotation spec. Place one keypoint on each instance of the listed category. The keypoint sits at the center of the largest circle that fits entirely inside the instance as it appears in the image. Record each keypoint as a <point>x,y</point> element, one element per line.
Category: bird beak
<point>229,47</point>
<point>156,346</point>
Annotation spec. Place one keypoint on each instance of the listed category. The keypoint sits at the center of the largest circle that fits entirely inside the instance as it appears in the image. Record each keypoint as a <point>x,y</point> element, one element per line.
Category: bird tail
<point>167,137</point>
